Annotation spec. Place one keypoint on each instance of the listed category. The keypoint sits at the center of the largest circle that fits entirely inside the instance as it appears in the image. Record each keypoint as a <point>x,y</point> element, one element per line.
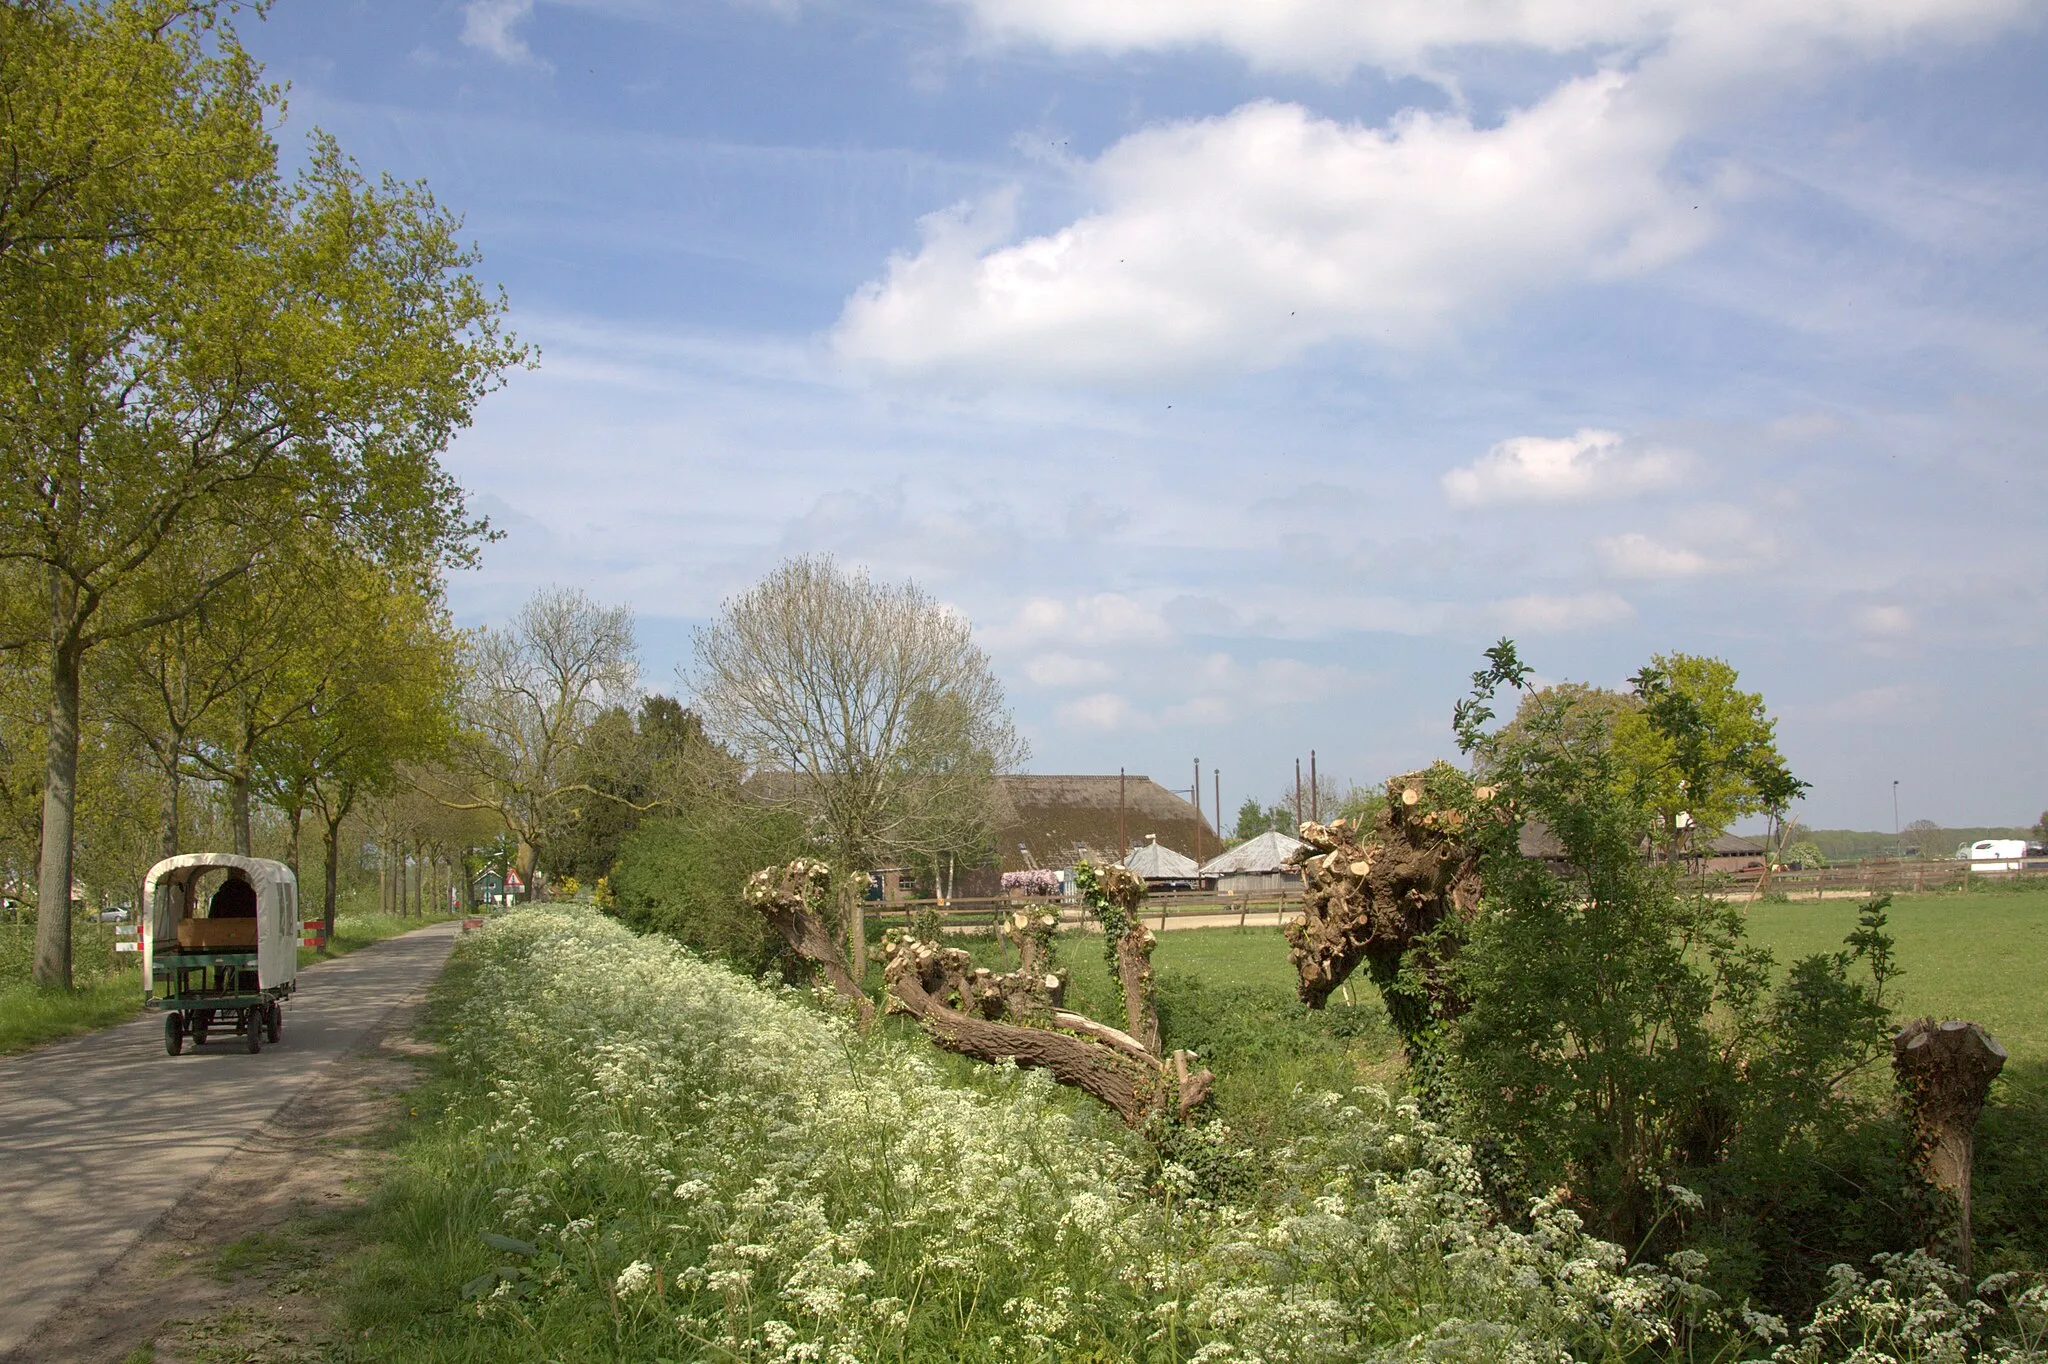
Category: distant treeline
<point>1846,845</point>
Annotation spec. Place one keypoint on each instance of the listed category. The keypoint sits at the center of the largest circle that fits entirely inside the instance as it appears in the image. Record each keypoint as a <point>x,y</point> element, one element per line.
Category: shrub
<point>683,877</point>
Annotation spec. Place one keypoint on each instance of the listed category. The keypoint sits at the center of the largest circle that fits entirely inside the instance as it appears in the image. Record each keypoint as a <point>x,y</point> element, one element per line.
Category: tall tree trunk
<point>383,876</point>
<point>238,811</point>
<point>293,815</point>
<point>528,856</point>
<point>857,932</point>
<point>333,866</point>
<point>52,968</point>
<point>173,793</point>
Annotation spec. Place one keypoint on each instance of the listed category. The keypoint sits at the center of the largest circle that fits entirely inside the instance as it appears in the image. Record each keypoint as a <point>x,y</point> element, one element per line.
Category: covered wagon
<point>220,946</point>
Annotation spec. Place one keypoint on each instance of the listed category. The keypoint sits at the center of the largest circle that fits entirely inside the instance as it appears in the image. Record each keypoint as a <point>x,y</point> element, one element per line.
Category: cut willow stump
<point>1019,1015</point>
<point>784,895</point>
<point>1011,1017</point>
<point>1946,1069</point>
<point>1370,894</point>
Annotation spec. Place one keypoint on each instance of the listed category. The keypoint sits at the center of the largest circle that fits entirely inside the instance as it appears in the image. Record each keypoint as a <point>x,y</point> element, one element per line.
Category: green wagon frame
<point>230,990</point>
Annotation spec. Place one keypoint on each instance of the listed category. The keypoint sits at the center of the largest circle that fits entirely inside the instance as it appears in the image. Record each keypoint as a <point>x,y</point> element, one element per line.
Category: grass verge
<point>30,1017</point>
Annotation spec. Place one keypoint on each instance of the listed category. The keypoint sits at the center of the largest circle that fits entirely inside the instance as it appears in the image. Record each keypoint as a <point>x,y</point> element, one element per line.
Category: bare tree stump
<point>1946,1069</point>
<point>783,895</point>
<point>1369,895</point>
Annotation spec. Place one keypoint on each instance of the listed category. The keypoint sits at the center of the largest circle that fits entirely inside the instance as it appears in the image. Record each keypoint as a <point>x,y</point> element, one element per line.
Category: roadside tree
<point>531,696</point>
<point>192,346</point>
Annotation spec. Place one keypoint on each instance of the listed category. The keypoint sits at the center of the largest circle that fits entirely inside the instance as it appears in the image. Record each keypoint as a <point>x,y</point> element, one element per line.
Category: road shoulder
<point>240,1268</point>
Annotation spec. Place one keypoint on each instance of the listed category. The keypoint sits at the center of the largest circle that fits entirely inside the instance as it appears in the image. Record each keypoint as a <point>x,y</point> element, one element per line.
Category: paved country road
<point>101,1135</point>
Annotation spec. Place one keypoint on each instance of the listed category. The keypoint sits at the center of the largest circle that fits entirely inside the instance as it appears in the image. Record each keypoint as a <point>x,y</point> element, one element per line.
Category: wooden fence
<point>1881,874</point>
<point>964,914</point>
<point>1863,878</point>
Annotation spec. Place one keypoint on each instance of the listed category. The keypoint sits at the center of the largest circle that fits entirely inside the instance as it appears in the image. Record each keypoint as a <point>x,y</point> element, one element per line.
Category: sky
<point>1243,368</point>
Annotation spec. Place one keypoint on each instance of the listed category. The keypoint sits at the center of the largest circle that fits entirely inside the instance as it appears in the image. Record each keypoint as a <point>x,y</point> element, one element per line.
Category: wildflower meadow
<point>633,1153</point>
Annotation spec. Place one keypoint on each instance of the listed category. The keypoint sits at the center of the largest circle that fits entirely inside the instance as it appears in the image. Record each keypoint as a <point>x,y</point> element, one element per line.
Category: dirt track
<point>118,1161</point>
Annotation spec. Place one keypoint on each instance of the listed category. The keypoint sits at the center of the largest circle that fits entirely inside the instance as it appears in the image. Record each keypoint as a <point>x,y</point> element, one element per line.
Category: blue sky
<point>1242,370</point>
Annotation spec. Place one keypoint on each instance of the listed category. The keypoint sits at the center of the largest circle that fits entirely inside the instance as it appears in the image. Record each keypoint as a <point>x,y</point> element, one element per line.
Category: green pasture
<point>1979,955</point>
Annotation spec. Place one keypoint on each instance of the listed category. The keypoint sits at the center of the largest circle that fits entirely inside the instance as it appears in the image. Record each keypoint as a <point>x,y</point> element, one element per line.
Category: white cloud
<point>1103,710</point>
<point>1242,240</point>
<point>1888,622</point>
<point>1858,707</point>
<point>1329,37</point>
<point>1636,555</point>
<point>1539,613</point>
<point>1584,466</point>
<point>488,26</point>
<point>1064,670</point>
<point>1105,618</point>
<point>1198,710</point>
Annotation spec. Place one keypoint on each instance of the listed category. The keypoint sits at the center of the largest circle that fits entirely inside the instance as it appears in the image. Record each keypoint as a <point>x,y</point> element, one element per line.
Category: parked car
<point>1996,854</point>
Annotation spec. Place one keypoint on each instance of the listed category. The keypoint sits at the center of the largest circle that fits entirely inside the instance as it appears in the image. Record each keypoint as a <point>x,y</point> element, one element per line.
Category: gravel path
<point>102,1135</point>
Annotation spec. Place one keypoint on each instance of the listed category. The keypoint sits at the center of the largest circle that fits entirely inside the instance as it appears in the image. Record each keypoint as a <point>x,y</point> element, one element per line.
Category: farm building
<point>1162,866</point>
<point>1057,821</point>
<point>1724,853</point>
<point>1256,867</point>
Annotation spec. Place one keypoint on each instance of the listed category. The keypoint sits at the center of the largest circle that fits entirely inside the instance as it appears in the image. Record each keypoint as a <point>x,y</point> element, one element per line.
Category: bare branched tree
<point>528,700</point>
<point>870,706</point>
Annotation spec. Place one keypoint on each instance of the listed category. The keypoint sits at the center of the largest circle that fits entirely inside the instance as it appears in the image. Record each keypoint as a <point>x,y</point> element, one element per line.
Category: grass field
<point>1981,956</point>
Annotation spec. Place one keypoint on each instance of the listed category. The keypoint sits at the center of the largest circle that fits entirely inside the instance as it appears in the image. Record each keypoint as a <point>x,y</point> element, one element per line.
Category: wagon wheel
<point>201,1021</point>
<point>273,1021</point>
<point>252,1030</point>
<point>174,1034</point>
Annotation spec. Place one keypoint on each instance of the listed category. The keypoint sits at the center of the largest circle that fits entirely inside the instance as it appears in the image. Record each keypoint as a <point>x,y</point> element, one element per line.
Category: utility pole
<point>1315,798</point>
<point>1216,775</point>
<point>1297,795</point>
<point>1198,809</point>
<point>1123,839</point>
<point>1895,812</point>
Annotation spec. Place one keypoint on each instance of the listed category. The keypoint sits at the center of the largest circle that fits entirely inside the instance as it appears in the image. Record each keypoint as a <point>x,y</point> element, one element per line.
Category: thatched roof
<point>1063,819</point>
<point>1266,854</point>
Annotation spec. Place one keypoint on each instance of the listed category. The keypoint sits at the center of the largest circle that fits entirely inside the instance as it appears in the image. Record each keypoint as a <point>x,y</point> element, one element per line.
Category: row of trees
<point>224,391</point>
<point>832,715</point>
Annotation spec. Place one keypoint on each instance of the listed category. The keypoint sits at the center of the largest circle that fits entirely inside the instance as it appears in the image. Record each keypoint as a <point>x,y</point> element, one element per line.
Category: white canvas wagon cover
<point>167,896</point>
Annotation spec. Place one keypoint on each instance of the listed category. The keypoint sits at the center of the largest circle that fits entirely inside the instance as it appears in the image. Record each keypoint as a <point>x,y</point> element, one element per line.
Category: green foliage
<point>1113,895</point>
<point>630,763</point>
<point>30,1017</point>
<point>194,348</point>
<point>684,876</point>
<point>1698,749</point>
<point>1806,855</point>
<point>1254,819</point>
<point>1623,1034</point>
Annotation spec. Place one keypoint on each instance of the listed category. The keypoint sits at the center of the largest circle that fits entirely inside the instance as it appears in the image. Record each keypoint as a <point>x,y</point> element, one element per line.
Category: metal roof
<point>1157,862</point>
<point>1266,853</point>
